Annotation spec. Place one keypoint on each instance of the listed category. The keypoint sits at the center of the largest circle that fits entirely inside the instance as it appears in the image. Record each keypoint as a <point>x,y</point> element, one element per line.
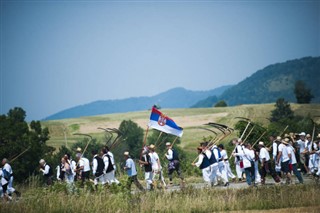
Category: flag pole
<point>155,144</point>
<point>144,142</point>
<point>174,141</point>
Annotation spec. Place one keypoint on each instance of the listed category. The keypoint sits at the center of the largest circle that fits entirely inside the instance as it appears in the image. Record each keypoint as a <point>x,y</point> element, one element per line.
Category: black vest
<point>212,159</point>
<point>147,167</point>
<point>110,166</point>
<point>100,166</point>
<point>205,163</point>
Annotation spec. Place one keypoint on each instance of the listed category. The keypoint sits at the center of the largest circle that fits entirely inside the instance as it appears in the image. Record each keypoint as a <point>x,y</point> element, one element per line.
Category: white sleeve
<point>106,162</point>
<point>58,172</point>
<point>94,165</point>
<point>46,170</point>
<point>200,159</point>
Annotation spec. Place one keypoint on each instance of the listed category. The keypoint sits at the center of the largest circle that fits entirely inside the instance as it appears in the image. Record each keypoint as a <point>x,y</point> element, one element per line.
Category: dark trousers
<point>134,179</point>
<point>176,168</point>
<point>268,169</point>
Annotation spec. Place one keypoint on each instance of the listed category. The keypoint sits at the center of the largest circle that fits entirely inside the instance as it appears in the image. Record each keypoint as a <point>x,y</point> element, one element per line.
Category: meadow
<point>284,198</point>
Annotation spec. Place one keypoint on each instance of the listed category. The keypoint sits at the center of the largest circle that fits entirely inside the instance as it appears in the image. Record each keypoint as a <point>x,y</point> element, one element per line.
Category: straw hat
<point>168,144</point>
<point>151,146</point>
<point>42,161</point>
<point>285,141</point>
<point>261,143</point>
<point>278,138</point>
<point>79,149</point>
<point>318,136</point>
<point>308,136</point>
<point>126,153</point>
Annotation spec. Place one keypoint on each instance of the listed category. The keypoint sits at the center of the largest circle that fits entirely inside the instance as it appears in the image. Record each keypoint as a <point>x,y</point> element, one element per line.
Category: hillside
<point>276,81</point>
<point>190,119</point>
<point>174,98</point>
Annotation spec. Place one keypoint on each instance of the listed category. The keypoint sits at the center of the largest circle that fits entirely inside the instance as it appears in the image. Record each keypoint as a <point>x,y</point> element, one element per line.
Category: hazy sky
<point>59,54</point>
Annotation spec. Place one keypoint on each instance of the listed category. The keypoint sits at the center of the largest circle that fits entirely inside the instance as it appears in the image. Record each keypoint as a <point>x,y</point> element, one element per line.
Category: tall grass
<point>118,199</point>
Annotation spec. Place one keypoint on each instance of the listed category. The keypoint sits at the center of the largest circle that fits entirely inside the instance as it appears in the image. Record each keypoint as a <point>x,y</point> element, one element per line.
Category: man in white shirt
<point>248,164</point>
<point>224,156</point>
<point>284,158</point>
<point>83,167</point>
<point>98,169</point>
<point>130,167</point>
<point>311,149</point>
<point>293,161</point>
<point>203,163</point>
<point>174,163</point>
<point>156,167</point>
<point>9,177</point>
<point>302,147</point>
<point>238,161</point>
<point>218,170</point>
<point>113,164</point>
<point>46,171</point>
<point>266,167</point>
<point>108,167</point>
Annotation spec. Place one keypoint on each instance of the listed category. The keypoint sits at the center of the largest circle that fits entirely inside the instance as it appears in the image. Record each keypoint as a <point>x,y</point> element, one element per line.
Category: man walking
<point>132,172</point>
<point>174,163</point>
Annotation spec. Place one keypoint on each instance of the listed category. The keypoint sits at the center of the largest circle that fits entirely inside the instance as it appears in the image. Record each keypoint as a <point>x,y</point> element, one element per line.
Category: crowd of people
<point>291,155</point>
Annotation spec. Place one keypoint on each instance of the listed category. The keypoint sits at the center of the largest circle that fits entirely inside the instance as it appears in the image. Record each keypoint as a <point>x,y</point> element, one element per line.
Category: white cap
<point>261,143</point>
<point>302,134</point>
<point>42,161</point>
<point>168,144</point>
<point>126,153</point>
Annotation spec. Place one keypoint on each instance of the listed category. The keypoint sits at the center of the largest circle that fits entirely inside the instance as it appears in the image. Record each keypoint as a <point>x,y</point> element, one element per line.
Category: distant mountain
<point>273,82</point>
<point>173,98</point>
<point>276,81</point>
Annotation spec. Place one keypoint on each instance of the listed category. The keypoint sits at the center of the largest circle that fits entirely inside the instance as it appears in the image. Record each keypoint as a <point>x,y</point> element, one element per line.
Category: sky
<point>59,54</point>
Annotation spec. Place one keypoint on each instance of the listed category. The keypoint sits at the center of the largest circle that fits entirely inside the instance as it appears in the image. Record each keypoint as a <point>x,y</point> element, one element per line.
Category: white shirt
<point>302,145</point>
<point>3,180</point>
<point>131,171</point>
<point>224,154</point>
<point>111,157</point>
<point>169,156</point>
<point>291,152</point>
<point>274,149</point>
<point>154,160</point>
<point>46,169</point>
<point>247,156</point>
<point>283,149</point>
<point>8,168</point>
<point>94,165</point>
<point>85,163</point>
<point>264,154</point>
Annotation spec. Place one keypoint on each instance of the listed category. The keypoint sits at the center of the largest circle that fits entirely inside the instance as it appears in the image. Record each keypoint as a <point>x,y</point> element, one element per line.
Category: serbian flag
<point>163,123</point>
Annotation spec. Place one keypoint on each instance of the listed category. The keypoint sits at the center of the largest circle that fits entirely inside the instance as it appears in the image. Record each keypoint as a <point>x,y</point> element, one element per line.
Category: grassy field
<point>117,199</point>
<point>190,119</point>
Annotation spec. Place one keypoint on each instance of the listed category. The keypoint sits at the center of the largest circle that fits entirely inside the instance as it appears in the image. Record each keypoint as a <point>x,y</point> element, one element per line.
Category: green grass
<point>118,199</point>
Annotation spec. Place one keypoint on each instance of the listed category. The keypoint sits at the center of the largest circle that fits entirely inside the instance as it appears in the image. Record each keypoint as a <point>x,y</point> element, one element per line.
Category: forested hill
<point>174,98</point>
<point>275,81</point>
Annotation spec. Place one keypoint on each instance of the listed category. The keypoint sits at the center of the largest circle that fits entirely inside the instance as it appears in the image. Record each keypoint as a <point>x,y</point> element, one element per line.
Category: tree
<point>16,138</point>
<point>132,137</point>
<point>302,93</point>
<point>221,103</point>
<point>282,111</point>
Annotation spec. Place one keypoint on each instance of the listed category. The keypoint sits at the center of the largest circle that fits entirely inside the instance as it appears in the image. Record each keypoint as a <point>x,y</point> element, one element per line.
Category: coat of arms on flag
<point>163,123</point>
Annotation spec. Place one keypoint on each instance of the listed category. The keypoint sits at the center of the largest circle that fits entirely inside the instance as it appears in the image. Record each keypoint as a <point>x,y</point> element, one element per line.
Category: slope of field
<point>61,131</point>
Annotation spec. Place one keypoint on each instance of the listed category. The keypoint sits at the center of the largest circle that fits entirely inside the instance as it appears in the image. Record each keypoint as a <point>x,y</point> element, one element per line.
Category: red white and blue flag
<point>163,123</point>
